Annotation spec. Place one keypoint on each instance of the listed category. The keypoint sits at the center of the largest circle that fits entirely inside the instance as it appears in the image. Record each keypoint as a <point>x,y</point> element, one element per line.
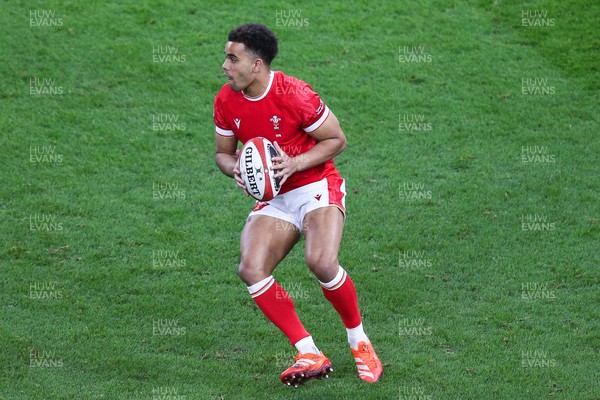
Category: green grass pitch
<point>473,228</point>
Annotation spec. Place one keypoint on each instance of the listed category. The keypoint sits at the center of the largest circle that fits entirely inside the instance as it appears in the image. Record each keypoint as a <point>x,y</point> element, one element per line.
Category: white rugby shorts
<point>292,206</point>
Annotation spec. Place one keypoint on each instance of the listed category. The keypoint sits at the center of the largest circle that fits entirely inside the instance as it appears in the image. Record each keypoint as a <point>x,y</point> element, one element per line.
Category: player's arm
<point>226,157</point>
<point>331,141</point>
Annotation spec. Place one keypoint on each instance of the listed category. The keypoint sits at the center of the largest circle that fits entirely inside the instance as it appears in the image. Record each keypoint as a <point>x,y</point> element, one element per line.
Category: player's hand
<point>236,173</point>
<point>283,165</point>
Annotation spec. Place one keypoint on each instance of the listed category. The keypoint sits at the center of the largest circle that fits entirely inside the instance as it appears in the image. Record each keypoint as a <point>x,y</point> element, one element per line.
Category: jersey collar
<point>262,96</point>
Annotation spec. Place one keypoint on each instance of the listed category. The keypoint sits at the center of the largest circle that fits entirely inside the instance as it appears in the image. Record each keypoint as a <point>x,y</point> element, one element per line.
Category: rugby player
<point>258,101</point>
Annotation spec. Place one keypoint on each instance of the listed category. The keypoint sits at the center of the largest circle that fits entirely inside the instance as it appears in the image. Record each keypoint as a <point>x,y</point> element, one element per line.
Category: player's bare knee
<point>251,273</point>
<point>245,272</point>
<point>241,271</point>
<point>322,265</point>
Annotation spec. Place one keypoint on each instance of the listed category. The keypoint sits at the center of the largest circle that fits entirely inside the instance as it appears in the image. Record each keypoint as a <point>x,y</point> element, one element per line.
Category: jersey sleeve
<point>221,126</point>
<point>313,111</point>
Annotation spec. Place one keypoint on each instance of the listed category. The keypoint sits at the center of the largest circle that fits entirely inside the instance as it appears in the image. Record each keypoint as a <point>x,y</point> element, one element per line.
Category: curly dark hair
<point>258,39</point>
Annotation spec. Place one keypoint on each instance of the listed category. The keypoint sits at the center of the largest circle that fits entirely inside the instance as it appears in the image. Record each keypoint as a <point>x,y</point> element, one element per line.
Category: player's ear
<point>258,64</point>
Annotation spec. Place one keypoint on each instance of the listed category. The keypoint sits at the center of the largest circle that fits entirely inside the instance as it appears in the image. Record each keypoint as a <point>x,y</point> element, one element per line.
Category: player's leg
<point>323,228</point>
<point>265,241</point>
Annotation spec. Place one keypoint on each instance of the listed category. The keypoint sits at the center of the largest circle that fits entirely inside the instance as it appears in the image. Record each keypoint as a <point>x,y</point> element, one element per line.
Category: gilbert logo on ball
<point>255,169</point>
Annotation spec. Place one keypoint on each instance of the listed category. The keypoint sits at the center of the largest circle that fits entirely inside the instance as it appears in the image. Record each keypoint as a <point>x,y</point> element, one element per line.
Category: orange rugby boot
<point>306,366</point>
<point>367,362</point>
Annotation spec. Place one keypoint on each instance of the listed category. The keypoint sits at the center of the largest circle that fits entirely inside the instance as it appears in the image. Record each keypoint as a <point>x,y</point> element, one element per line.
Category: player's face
<point>238,66</point>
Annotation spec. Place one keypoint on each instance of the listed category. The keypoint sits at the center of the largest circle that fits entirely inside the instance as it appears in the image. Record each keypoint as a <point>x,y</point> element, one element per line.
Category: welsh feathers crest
<point>275,120</point>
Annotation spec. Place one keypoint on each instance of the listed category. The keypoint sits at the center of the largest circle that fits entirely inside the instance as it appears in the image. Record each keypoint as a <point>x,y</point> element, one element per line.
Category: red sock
<point>341,293</point>
<point>278,306</point>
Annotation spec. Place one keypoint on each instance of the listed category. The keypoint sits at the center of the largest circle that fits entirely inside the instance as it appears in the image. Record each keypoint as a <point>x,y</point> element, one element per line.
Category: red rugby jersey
<point>286,113</point>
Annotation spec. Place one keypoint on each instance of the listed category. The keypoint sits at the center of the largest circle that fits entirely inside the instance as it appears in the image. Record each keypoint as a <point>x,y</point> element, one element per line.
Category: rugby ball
<point>255,169</point>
